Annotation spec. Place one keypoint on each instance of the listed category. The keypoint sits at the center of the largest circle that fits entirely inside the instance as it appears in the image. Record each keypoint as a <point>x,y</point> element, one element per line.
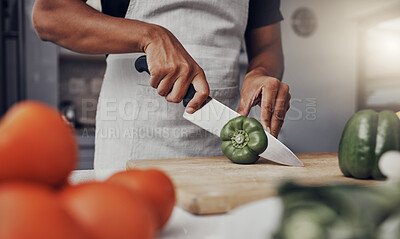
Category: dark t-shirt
<point>261,12</point>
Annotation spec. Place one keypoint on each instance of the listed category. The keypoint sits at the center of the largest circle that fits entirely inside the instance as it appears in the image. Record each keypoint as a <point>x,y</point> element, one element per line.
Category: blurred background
<point>340,56</point>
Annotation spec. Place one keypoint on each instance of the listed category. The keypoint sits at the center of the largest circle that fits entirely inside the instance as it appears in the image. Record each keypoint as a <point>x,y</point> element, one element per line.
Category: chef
<point>186,42</point>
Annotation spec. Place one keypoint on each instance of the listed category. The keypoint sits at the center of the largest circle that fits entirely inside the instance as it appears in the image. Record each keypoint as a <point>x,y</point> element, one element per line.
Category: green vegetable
<point>366,137</point>
<point>338,212</point>
<point>243,139</point>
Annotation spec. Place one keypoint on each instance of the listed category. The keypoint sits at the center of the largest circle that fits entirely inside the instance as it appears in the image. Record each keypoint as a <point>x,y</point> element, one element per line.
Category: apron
<point>133,121</point>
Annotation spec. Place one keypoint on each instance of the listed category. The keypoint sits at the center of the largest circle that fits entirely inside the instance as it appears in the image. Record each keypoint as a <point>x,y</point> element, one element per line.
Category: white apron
<point>133,121</point>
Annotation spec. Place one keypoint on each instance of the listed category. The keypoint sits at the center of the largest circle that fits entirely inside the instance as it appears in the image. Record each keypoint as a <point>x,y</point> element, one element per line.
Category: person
<point>186,42</point>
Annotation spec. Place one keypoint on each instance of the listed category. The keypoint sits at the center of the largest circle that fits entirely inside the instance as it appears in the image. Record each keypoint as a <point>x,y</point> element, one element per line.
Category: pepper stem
<point>240,139</point>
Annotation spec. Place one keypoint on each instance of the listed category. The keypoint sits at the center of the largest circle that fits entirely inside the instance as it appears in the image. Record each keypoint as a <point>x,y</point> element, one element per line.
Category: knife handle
<point>141,66</point>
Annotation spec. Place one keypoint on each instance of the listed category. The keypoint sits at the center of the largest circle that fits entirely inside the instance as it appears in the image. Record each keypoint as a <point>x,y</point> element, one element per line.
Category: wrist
<point>152,33</point>
<point>146,36</point>
<point>257,71</point>
<point>260,71</point>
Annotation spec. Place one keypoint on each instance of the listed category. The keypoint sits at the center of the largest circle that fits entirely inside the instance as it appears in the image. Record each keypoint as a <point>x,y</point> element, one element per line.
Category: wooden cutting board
<point>213,185</point>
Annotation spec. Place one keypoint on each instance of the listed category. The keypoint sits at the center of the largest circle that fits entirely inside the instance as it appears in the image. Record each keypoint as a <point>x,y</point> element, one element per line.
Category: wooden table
<point>212,185</point>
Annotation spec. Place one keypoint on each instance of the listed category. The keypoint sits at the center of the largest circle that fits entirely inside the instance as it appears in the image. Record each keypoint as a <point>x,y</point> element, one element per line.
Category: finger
<point>280,109</point>
<point>288,102</point>
<point>155,79</point>
<point>246,102</point>
<point>166,84</point>
<point>202,91</point>
<point>268,93</point>
<point>178,91</point>
<point>181,85</point>
<point>157,72</point>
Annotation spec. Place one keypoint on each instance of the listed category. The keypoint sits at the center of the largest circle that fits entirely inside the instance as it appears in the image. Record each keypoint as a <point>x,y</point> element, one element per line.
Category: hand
<point>172,69</point>
<point>271,94</point>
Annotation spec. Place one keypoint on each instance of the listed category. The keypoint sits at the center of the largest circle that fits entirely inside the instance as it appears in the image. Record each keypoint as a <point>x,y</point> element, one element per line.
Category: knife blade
<point>213,115</point>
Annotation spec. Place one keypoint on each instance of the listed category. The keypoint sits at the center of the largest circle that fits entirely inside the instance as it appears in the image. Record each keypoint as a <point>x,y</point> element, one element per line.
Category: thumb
<point>244,106</point>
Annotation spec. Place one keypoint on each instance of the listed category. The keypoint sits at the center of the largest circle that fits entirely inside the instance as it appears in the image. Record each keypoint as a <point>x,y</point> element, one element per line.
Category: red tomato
<point>33,211</point>
<point>36,145</point>
<point>109,211</point>
<point>154,185</point>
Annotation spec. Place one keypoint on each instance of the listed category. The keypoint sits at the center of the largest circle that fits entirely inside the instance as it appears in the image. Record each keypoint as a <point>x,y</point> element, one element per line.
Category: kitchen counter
<point>254,220</point>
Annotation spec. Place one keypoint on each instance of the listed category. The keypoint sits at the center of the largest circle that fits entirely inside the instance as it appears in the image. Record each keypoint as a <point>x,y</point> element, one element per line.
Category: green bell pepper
<point>243,139</point>
<point>366,137</point>
<point>338,211</point>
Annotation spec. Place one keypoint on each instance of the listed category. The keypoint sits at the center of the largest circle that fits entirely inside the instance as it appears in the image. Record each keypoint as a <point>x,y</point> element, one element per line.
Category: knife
<point>213,115</point>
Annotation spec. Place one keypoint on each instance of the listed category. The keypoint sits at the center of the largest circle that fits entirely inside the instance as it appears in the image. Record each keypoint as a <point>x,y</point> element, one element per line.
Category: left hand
<point>270,94</point>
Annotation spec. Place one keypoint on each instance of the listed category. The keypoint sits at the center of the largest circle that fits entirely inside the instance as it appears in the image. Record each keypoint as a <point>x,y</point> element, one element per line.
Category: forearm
<point>265,52</point>
<point>268,62</point>
<point>78,27</point>
<point>262,84</point>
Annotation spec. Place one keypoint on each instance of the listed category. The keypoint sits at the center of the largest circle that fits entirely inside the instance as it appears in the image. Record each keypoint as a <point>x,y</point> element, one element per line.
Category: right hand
<point>172,69</point>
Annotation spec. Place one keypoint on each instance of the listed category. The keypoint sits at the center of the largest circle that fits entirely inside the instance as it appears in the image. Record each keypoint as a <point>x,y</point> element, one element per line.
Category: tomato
<point>36,144</point>
<point>109,211</point>
<point>154,185</point>
<point>32,211</point>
